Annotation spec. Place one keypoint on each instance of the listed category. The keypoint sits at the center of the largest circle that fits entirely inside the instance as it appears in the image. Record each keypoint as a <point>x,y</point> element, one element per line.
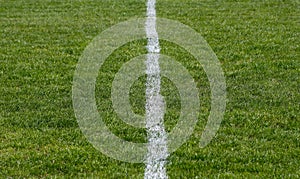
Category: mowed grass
<point>257,43</point>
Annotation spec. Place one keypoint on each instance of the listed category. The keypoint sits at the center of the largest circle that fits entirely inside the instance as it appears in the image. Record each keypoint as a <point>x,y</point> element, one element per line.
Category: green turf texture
<point>257,43</point>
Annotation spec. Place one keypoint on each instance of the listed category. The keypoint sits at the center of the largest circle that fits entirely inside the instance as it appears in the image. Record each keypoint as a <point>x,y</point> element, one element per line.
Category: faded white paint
<point>155,105</point>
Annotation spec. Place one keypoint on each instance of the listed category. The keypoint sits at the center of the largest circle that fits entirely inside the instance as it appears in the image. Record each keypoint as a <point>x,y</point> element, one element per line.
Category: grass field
<point>257,43</point>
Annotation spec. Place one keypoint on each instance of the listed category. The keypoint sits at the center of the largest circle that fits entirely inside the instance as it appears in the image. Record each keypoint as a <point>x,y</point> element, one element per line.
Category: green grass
<point>257,43</point>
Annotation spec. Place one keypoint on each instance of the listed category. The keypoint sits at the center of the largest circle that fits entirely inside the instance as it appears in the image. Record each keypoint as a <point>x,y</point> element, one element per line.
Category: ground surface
<point>257,43</point>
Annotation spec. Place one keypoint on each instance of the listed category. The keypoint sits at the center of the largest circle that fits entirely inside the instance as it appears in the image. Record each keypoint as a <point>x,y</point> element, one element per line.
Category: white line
<point>155,106</point>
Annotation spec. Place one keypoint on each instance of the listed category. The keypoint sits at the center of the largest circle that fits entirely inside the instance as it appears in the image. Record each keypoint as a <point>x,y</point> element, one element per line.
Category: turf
<point>257,43</point>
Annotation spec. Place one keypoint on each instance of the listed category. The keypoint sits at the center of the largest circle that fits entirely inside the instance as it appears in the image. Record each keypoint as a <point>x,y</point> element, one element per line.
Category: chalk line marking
<point>155,105</point>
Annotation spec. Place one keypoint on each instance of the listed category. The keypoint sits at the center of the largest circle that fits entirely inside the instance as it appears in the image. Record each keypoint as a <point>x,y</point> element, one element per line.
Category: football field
<point>255,41</point>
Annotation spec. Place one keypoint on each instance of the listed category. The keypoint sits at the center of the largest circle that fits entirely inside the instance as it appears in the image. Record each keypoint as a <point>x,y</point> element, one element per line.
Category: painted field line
<point>155,106</point>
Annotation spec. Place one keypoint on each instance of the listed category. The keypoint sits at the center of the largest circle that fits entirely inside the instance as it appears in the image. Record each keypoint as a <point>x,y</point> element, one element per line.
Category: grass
<point>257,43</point>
